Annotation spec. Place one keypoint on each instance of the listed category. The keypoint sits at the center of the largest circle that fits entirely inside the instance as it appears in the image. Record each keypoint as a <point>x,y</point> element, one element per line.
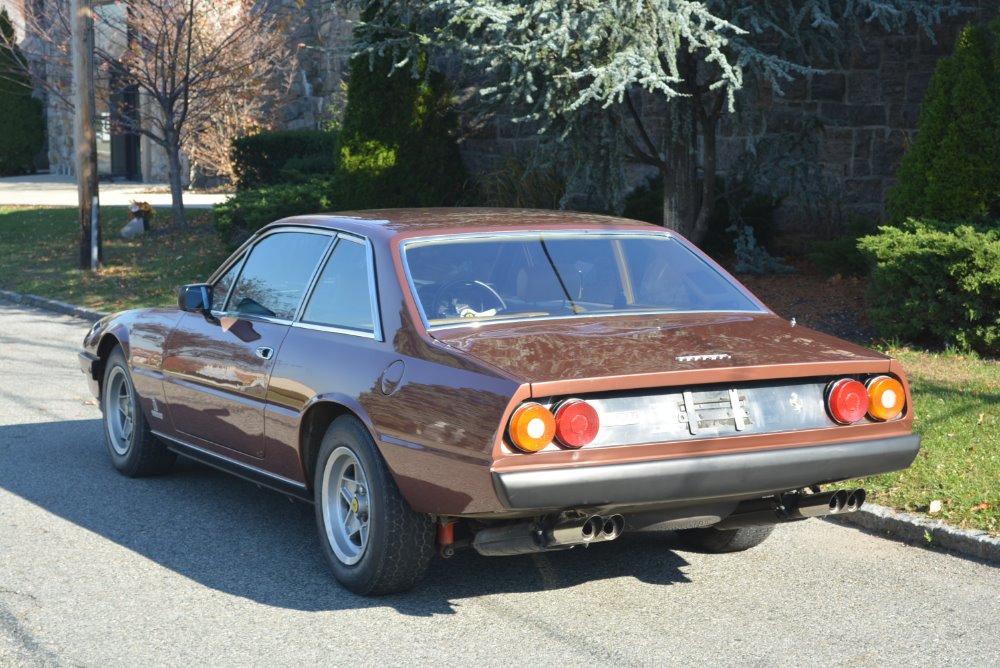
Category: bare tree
<point>203,68</point>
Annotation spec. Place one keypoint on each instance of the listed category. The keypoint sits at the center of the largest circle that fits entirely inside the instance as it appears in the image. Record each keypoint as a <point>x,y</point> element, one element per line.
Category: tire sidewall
<point>117,361</point>
<point>347,433</point>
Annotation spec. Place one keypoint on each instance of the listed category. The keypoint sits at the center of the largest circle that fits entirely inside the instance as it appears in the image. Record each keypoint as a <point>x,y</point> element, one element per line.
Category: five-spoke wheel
<point>134,450</point>
<point>375,543</point>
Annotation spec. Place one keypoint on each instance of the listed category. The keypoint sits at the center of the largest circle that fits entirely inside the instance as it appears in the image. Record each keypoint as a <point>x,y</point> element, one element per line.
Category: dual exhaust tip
<point>554,533</point>
<point>793,506</point>
<point>597,528</point>
<point>831,503</point>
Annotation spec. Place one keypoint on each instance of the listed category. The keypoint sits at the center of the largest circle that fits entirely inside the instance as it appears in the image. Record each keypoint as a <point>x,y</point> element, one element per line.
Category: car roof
<point>389,223</point>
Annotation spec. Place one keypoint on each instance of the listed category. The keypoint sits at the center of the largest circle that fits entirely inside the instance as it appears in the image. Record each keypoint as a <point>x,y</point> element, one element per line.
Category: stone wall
<point>868,105</point>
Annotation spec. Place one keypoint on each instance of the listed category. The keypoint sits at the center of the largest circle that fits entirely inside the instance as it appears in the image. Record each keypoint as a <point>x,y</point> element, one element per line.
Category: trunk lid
<point>594,354</point>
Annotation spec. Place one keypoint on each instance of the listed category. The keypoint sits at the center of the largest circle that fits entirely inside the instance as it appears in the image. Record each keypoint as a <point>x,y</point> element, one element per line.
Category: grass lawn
<point>957,404</point>
<point>40,251</point>
<point>957,397</point>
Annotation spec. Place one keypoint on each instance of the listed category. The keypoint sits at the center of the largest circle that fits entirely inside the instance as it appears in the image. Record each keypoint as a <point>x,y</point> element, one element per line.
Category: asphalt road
<point>202,569</point>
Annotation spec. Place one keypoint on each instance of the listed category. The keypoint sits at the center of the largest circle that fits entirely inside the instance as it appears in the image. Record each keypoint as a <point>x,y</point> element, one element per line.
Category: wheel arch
<point>318,415</point>
<point>109,341</point>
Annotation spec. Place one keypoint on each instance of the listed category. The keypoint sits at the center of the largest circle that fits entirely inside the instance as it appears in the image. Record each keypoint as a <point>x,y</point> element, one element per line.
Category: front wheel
<point>134,450</point>
<point>718,541</point>
<point>375,543</point>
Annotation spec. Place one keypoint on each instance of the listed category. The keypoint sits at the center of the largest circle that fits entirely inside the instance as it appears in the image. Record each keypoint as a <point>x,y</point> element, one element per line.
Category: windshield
<point>545,275</point>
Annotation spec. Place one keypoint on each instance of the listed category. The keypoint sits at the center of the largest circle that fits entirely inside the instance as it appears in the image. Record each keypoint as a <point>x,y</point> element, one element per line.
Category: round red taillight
<point>847,401</point>
<point>577,423</point>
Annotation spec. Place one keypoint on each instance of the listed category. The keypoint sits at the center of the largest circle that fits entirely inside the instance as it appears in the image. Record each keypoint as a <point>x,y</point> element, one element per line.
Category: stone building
<point>320,34</point>
<point>867,106</point>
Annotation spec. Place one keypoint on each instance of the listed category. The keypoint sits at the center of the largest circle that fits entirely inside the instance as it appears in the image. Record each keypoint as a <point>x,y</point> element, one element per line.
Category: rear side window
<point>342,297</point>
<point>276,274</point>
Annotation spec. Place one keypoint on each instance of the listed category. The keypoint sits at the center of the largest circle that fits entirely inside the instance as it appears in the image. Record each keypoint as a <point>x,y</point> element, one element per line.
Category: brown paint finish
<point>439,417</point>
<point>215,383</point>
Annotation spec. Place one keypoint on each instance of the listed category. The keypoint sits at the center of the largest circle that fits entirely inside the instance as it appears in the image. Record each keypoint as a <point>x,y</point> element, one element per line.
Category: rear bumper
<point>693,479</point>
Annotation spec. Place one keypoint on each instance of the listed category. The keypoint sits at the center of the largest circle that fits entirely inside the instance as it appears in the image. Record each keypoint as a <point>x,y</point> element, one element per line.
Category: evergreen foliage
<point>936,283</point>
<point>398,138</point>
<point>582,70</point>
<point>21,117</point>
<point>953,169</point>
<point>396,148</point>
<point>269,157</point>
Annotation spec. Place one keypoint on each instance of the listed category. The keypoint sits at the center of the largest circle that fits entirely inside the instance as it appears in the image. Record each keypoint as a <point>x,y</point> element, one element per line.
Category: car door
<point>216,369</point>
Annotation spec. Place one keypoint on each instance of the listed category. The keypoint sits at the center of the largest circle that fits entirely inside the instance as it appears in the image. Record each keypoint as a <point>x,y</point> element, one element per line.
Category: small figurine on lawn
<point>141,212</point>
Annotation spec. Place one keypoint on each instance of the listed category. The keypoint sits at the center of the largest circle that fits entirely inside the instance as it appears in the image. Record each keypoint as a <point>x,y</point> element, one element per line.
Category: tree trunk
<point>173,149</point>
<point>680,187</point>
<point>707,205</point>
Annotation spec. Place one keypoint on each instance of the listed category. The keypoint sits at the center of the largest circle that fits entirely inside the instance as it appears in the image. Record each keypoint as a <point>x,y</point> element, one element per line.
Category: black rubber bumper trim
<point>88,364</point>
<point>703,478</point>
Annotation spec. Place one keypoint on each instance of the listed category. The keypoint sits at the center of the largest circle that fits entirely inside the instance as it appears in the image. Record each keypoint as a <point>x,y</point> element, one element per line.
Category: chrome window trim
<point>336,330</point>
<point>420,241</point>
<point>376,332</point>
<point>247,248</point>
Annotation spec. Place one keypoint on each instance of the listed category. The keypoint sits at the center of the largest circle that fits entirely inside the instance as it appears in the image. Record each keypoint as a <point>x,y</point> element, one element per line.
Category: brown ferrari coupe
<point>501,380</point>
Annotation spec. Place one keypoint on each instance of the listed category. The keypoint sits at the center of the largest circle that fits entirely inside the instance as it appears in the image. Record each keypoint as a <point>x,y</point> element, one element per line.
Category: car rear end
<point>662,394</point>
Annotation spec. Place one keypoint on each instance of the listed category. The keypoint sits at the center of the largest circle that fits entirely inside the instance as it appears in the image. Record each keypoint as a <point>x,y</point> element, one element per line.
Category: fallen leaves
<point>980,506</point>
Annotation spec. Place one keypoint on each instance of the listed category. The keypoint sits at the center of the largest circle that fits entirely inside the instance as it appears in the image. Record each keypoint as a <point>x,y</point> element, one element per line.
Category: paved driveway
<point>203,569</point>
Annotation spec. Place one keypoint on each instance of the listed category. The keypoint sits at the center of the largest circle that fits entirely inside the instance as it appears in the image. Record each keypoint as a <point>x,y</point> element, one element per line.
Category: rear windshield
<point>550,275</point>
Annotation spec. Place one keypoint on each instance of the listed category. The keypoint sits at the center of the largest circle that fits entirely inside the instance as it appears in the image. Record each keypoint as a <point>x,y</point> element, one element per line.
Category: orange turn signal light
<point>532,427</point>
<point>886,398</point>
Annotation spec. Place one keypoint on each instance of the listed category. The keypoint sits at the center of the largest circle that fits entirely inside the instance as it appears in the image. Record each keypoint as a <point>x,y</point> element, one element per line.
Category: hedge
<point>272,157</point>
<point>936,283</point>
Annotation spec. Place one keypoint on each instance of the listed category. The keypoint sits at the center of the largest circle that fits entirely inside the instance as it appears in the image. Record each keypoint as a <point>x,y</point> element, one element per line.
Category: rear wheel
<point>717,541</point>
<point>375,543</point>
<point>134,450</point>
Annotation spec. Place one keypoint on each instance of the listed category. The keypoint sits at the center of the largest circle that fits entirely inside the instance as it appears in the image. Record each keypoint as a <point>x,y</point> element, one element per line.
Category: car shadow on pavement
<point>227,534</point>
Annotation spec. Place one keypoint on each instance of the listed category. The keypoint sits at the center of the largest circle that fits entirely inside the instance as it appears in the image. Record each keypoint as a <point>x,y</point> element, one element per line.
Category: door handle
<point>264,352</point>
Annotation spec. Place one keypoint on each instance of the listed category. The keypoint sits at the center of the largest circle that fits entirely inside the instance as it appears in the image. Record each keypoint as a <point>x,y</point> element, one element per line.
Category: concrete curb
<point>907,527</point>
<point>53,305</point>
<point>921,531</point>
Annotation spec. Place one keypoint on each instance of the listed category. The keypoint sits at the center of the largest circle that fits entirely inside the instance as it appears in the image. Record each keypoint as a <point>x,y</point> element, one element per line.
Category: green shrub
<point>272,157</point>
<point>399,138</point>
<point>935,283</point>
<point>842,255</point>
<point>396,148</point>
<point>248,211</point>
<point>20,114</point>
<point>953,169</point>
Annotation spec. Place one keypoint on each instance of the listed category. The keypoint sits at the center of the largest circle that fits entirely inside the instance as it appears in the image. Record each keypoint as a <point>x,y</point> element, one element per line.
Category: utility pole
<point>84,134</point>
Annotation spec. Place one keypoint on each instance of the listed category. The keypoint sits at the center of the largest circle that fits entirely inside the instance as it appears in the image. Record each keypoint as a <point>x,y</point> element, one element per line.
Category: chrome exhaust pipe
<point>855,500</point>
<point>547,533</point>
<point>573,531</point>
<point>817,505</point>
<point>791,507</point>
<point>612,527</point>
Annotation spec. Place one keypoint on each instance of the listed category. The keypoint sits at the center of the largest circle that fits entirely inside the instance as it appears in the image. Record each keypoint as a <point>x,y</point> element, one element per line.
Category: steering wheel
<point>466,299</point>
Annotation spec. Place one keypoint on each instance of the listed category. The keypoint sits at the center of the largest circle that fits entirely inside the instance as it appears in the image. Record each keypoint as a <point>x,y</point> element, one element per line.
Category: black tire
<point>717,541</point>
<point>134,450</point>
<point>375,543</point>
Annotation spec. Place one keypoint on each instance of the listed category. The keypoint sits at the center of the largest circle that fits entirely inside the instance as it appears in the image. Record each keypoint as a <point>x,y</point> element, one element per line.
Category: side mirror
<point>196,298</point>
